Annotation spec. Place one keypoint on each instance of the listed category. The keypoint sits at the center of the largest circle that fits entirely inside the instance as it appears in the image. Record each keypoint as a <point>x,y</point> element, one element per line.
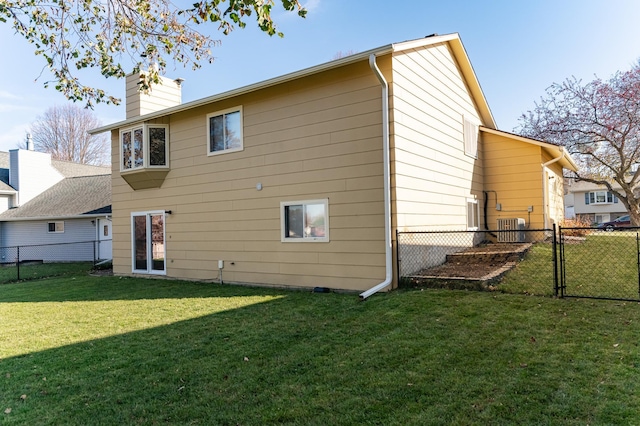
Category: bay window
<point>144,146</point>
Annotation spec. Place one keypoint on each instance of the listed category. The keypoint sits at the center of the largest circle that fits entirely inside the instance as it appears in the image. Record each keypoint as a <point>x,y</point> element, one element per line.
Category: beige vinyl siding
<point>513,170</point>
<point>162,96</point>
<point>433,176</point>
<point>314,138</point>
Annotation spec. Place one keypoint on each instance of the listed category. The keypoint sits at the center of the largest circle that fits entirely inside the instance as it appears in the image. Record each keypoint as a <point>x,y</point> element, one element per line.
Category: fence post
<point>555,262</point>
<point>18,262</point>
<point>94,252</point>
<point>398,256</point>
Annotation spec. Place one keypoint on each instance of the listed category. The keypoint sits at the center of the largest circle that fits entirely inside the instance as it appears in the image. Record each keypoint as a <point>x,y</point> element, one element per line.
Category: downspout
<point>545,188</point>
<point>387,179</point>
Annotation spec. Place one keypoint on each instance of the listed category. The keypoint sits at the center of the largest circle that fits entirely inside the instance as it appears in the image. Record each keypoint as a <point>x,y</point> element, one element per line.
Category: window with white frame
<point>224,131</point>
<point>600,197</point>
<point>470,138</point>
<point>148,249</point>
<point>55,227</point>
<point>144,146</point>
<point>304,221</point>
<point>473,214</point>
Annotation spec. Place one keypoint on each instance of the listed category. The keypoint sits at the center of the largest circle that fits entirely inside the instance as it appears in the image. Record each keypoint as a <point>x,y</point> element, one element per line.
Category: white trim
<point>223,113</point>
<point>386,171</point>
<point>470,132</point>
<point>477,212</point>
<point>303,239</point>
<point>54,218</point>
<point>452,39</point>
<point>55,227</point>
<point>147,142</point>
<point>145,146</point>
<point>147,215</point>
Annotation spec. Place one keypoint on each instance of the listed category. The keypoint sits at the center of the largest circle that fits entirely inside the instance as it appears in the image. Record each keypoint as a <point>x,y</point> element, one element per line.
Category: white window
<point>144,146</point>
<point>600,197</point>
<point>304,221</point>
<point>55,227</point>
<point>473,214</point>
<point>470,138</point>
<point>224,131</point>
<point>148,251</point>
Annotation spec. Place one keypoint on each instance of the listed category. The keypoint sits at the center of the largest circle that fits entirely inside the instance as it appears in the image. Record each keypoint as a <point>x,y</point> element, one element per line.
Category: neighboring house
<point>45,203</point>
<point>591,203</point>
<point>302,180</point>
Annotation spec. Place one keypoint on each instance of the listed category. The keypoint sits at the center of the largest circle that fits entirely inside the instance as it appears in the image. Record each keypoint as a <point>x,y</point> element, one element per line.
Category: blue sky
<point>517,48</point>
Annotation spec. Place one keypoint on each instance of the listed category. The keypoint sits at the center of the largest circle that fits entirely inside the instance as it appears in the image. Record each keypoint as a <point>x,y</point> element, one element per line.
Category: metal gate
<point>600,264</point>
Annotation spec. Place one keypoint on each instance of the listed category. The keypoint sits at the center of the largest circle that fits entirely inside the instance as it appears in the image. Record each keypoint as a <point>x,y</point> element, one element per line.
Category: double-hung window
<point>144,146</point>
<point>304,221</point>
<point>224,131</point>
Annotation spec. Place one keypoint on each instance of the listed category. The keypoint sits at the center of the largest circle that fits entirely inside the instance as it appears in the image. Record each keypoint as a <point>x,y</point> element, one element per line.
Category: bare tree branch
<point>63,131</point>
<point>599,124</point>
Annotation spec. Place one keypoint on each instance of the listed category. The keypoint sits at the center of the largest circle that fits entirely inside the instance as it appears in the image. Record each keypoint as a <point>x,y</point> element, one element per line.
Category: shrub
<point>573,224</point>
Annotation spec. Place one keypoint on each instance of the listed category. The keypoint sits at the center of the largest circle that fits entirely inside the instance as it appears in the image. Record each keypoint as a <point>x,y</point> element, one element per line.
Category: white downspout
<point>545,188</point>
<point>387,182</point>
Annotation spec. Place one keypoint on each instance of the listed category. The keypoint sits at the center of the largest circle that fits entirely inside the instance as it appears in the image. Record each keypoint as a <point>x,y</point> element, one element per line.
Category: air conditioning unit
<point>512,230</point>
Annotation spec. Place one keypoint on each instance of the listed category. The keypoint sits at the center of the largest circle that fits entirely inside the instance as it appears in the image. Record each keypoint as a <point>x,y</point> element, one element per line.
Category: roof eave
<point>453,41</point>
<point>567,162</point>
<point>248,89</point>
<point>55,217</point>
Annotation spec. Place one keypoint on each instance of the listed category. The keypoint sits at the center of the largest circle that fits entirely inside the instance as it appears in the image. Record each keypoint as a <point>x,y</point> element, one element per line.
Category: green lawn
<point>107,350</point>
<point>604,264</point>
<point>32,270</point>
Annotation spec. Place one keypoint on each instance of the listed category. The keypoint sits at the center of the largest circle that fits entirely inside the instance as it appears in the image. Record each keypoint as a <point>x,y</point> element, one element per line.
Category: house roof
<point>584,186</point>
<point>556,151</point>
<point>71,197</point>
<point>69,169</point>
<point>65,168</point>
<point>452,40</point>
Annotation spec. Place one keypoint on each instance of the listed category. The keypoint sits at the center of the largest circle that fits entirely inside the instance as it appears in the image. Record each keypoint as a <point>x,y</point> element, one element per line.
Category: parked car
<point>621,222</point>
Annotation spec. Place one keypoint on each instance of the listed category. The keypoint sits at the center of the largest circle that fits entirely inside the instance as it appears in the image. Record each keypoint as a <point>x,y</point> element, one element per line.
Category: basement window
<point>305,221</point>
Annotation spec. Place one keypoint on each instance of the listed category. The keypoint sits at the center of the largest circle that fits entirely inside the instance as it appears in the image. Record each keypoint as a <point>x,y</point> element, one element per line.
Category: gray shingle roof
<point>72,196</point>
<point>68,169</point>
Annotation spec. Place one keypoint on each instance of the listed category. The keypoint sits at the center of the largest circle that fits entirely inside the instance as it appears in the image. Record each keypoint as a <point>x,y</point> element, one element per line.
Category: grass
<point>108,350</point>
<point>30,271</point>
<point>604,264</point>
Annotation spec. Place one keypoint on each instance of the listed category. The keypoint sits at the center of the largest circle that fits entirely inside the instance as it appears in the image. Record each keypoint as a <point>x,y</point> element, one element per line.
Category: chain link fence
<point>479,260</point>
<point>48,260</point>
<point>600,263</point>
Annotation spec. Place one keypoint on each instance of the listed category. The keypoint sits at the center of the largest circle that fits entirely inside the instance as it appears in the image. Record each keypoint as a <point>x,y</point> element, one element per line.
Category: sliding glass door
<point>148,247</point>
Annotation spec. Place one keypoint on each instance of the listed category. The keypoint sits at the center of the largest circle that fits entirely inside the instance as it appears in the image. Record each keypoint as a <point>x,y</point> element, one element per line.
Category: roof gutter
<point>387,179</point>
<point>80,216</point>
<point>545,186</point>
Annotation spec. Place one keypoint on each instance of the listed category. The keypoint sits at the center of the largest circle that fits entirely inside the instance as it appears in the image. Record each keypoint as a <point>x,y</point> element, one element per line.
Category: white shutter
<point>470,138</point>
